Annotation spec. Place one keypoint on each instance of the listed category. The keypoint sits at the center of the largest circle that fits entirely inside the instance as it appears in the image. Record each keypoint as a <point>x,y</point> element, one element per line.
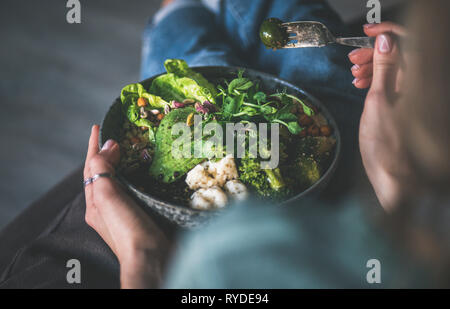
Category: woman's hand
<point>126,228</point>
<point>362,58</point>
<point>382,148</point>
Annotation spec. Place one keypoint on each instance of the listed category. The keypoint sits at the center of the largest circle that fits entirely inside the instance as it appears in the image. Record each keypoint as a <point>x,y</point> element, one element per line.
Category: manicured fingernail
<point>355,81</point>
<point>353,52</point>
<point>108,145</point>
<point>368,26</point>
<point>355,67</point>
<point>384,44</point>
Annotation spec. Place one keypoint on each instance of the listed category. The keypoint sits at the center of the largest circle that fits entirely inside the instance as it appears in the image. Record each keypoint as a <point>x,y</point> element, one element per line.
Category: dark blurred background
<point>57,79</point>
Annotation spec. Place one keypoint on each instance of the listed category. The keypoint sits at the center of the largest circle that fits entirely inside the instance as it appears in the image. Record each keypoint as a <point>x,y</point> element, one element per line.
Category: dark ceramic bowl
<point>182,215</point>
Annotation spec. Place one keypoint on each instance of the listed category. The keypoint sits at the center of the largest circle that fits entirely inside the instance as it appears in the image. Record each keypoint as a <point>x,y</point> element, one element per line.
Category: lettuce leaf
<point>154,101</point>
<point>132,92</point>
<point>132,89</point>
<point>129,97</point>
<point>181,69</point>
<point>166,86</point>
<point>174,88</point>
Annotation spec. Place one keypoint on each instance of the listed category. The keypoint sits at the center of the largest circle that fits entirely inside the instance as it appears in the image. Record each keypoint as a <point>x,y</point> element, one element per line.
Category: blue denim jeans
<point>226,32</point>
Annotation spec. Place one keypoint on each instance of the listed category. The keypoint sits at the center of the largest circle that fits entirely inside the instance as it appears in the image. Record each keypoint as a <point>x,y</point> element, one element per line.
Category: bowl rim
<point>312,99</point>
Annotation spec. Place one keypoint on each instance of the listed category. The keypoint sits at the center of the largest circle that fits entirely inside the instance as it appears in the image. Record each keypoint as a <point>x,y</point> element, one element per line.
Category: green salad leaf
<point>171,87</point>
<point>129,97</point>
<point>131,93</point>
<point>181,69</point>
<point>260,97</point>
<point>239,84</point>
<point>132,89</point>
<point>154,101</point>
<point>307,110</point>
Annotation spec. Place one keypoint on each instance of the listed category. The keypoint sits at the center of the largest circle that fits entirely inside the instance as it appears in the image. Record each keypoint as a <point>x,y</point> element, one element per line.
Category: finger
<point>361,56</point>
<point>384,27</point>
<point>362,83</point>
<point>93,142</point>
<point>385,65</point>
<point>110,152</point>
<point>92,149</point>
<point>362,71</point>
<point>96,165</point>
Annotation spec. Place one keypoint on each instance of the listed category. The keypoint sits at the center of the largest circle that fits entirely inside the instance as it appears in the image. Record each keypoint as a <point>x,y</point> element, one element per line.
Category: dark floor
<point>57,79</point>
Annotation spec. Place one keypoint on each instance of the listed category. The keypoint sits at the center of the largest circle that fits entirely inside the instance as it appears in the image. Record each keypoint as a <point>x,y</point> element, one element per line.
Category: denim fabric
<point>185,30</point>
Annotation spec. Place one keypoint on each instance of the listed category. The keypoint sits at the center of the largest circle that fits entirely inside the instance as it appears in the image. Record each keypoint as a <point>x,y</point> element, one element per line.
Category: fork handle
<point>364,42</point>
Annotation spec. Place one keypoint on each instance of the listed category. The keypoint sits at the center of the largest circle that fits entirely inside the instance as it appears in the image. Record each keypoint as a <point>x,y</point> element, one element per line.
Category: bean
<point>305,120</point>
<point>325,130</point>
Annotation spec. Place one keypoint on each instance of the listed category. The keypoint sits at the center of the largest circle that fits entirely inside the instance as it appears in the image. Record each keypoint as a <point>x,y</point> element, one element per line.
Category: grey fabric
<point>37,217</point>
<point>35,248</point>
<point>41,262</point>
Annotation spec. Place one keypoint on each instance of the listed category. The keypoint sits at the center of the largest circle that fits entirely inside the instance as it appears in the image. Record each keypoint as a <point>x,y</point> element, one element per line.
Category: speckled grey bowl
<point>182,215</point>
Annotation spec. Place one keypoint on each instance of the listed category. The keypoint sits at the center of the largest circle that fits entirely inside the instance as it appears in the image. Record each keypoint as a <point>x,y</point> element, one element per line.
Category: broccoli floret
<point>307,171</point>
<point>311,160</point>
<point>267,183</point>
<point>275,179</point>
<point>318,148</point>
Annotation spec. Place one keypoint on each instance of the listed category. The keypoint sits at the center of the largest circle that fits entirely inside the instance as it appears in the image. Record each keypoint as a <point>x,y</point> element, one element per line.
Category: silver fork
<point>315,34</point>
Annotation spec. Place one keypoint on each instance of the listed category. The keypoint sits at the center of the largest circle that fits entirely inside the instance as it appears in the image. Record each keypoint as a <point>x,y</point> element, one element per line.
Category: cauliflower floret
<point>199,177</point>
<point>224,170</point>
<point>210,174</point>
<point>236,190</point>
<point>208,199</point>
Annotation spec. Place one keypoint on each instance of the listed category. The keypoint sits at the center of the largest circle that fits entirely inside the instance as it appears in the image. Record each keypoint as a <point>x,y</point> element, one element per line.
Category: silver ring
<point>90,180</point>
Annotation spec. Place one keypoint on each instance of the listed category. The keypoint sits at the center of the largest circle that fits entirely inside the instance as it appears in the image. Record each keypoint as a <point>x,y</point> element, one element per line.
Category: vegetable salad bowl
<point>185,216</point>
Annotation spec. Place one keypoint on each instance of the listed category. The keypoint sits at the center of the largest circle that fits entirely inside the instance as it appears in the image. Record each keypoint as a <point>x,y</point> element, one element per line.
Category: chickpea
<point>325,130</point>
<point>303,133</point>
<point>305,120</point>
<point>314,130</point>
<point>141,102</point>
<point>134,140</point>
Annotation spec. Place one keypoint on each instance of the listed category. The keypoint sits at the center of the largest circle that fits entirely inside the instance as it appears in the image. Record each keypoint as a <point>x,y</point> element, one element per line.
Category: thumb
<point>385,65</point>
<point>110,152</point>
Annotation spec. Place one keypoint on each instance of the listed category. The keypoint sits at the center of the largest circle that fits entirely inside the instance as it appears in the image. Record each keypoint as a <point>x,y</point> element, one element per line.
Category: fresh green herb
<point>239,84</point>
<point>292,126</point>
<point>260,97</point>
